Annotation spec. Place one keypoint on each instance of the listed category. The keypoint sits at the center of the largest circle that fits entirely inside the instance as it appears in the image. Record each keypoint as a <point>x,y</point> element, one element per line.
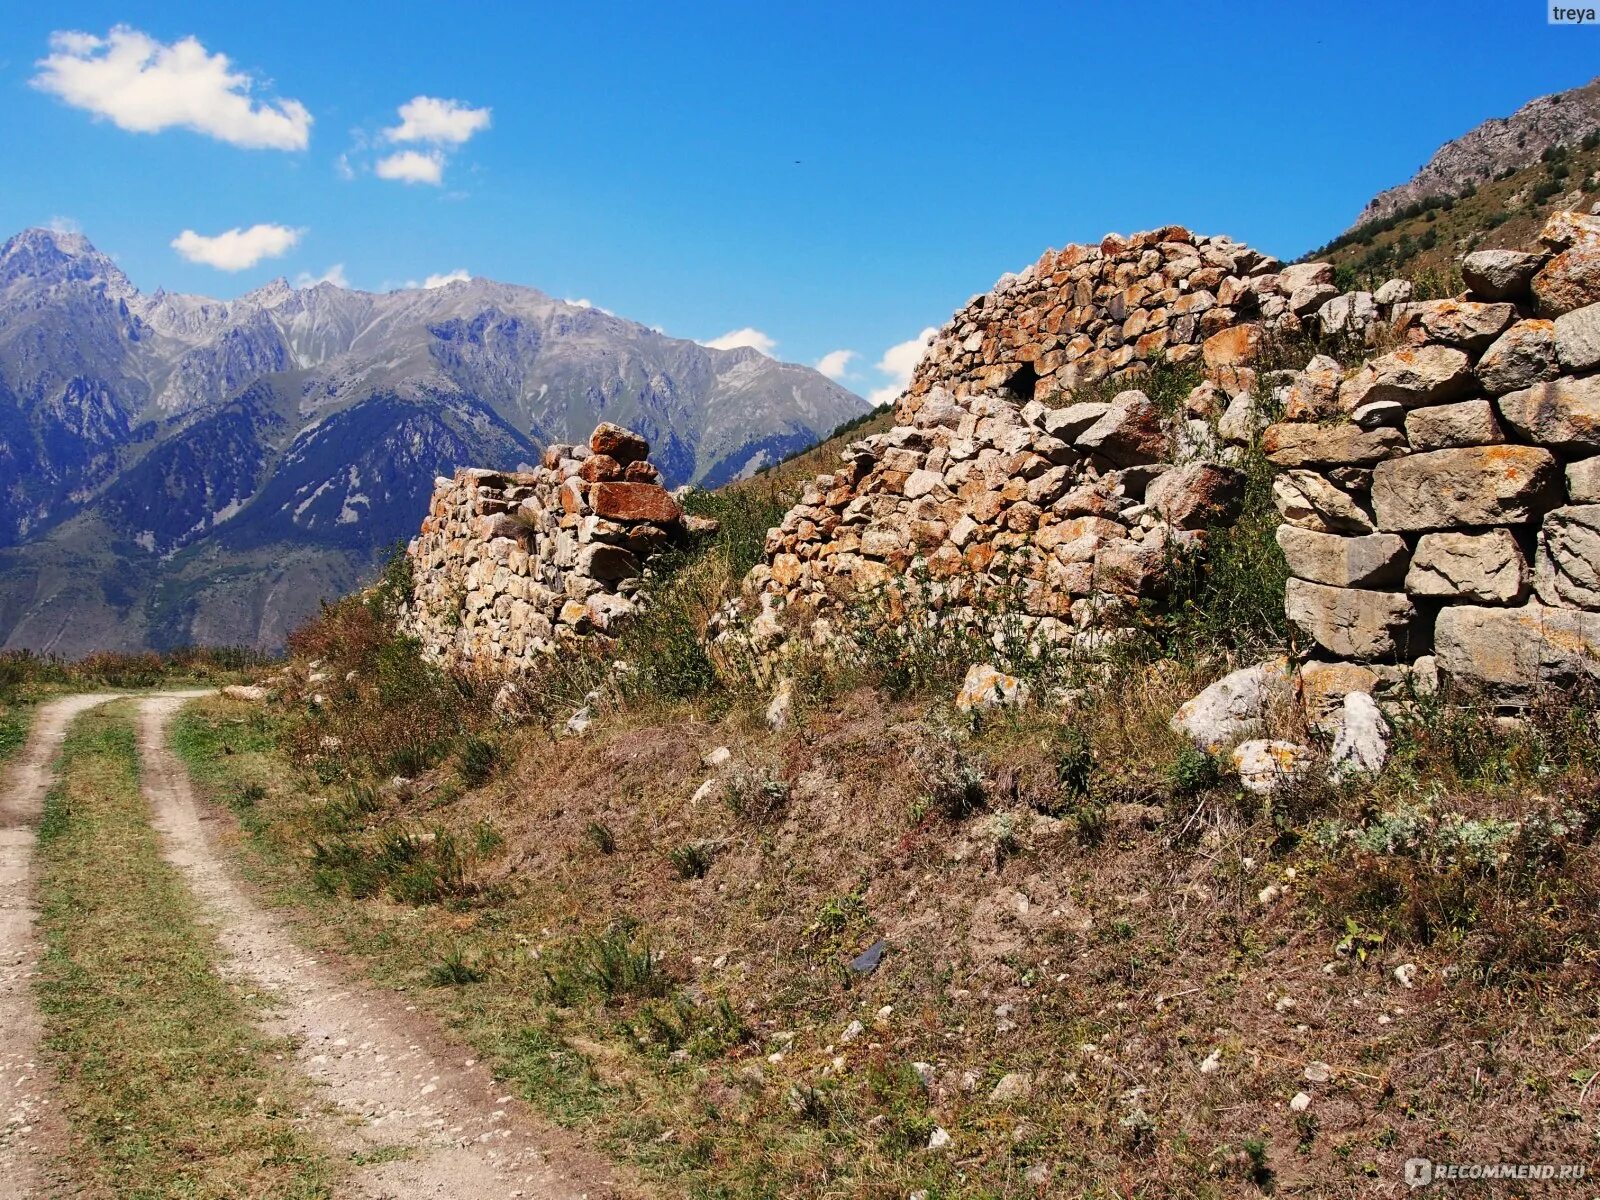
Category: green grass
<point>167,1087</point>
<point>13,731</point>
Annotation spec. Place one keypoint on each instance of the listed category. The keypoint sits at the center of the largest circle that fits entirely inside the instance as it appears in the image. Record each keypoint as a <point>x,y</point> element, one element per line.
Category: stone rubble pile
<point>1441,501</point>
<point>513,566</point>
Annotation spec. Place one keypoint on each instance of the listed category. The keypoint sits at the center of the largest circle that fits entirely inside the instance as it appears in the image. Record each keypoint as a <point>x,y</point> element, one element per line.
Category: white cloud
<point>898,362</point>
<point>145,86</point>
<point>342,167</point>
<point>237,249</point>
<point>459,275</point>
<point>735,338</point>
<point>412,166</point>
<point>589,304</point>
<point>442,122</point>
<point>836,363</point>
<point>334,275</point>
<point>64,225</point>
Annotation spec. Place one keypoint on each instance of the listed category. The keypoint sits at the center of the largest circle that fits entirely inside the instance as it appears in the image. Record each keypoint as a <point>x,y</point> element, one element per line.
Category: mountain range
<point>178,469</point>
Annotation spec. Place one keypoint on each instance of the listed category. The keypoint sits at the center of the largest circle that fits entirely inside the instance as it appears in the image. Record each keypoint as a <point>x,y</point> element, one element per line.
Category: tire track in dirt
<point>31,1128</point>
<point>394,1083</point>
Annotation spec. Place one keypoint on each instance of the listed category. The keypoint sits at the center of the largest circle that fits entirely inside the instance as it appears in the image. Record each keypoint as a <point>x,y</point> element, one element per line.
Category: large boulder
<point>1350,622</point>
<point>1292,445</point>
<point>1371,560</point>
<point>1563,414</point>
<point>1131,432</point>
<point>1567,570</point>
<point>1265,766</point>
<point>1446,426</point>
<point>1464,488</point>
<point>1500,274</point>
<point>1412,376</point>
<point>1308,501</point>
<point>1569,280</point>
<point>1352,313</point>
<point>1485,567</point>
<point>1583,481</point>
<point>1522,356</point>
<point>623,445</point>
<point>1361,741</point>
<point>1197,495</point>
<point>1578,338</point>
<point>635,502</point>
<point>1513,652</point>
<point>1463,323</point>
<point>1235,706</point>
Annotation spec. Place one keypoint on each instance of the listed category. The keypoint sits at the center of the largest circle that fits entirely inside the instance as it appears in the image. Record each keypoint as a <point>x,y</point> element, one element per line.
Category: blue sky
<point>837,177</point>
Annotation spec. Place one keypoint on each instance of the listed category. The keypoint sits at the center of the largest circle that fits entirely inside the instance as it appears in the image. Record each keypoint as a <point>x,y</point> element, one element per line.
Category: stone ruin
<point>997,484</point>
<point>511,567</point>
<point>1417,482</point>
<point>1441,501</point>
<point>1439,488</point>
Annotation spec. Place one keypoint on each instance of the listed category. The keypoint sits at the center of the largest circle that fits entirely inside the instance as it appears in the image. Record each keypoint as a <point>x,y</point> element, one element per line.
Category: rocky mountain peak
<point>1494,146</point>
<point>52,257</point>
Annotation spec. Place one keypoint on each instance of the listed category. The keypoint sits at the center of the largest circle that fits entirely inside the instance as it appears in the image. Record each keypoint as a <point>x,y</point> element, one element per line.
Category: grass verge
<point>168,1088</point>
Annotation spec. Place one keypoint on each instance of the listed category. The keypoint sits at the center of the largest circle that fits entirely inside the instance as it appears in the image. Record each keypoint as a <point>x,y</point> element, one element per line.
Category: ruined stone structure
<point>511,566</point>
<point>997,484</point>
<point>1441,501</point>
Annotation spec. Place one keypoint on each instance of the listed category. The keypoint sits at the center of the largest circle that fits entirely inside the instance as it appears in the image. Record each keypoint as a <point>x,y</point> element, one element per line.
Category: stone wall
<point>1085,313</point>
<point>1441,501</point>
<point>995,483</point>
<point>512,566</point>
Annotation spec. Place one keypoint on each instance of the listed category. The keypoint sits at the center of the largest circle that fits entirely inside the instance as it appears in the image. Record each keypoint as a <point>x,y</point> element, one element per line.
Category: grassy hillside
<point>1423,242</point>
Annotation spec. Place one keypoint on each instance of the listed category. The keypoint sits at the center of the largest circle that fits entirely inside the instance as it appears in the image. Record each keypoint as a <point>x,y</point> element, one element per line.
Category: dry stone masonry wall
<point>513,566</point>
<point>1441,502</point>
<point>996,484</point>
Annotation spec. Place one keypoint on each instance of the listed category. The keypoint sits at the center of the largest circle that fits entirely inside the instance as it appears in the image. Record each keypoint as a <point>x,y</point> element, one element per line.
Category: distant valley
<point>178,469</point>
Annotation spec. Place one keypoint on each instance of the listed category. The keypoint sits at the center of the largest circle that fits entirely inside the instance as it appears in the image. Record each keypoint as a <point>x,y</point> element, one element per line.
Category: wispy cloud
<point>459,275</point>
<point>589,304</point>
<point>144,86</point>
<point>747,336</point>
<point>237,249</point>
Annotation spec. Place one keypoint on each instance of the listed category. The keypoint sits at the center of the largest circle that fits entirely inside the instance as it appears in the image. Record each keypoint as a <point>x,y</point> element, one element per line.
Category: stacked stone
<point>1441,503</point>
<point>1088,313</point>
<point>513,566</point>
<point>1065,516</point>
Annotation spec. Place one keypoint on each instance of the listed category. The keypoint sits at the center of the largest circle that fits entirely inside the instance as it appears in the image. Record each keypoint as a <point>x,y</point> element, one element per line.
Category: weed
<point>609,965</point>
<point>477,760</point>
<point>755,795</point>
<point>691,860</point>
<point>456,969</point>
<point>1193,771</point>
<point>601,837</point>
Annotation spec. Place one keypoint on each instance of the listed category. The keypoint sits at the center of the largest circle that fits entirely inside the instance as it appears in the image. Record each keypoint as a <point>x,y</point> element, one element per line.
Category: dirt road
<point>420,1118</point>
<point>29,1127</point>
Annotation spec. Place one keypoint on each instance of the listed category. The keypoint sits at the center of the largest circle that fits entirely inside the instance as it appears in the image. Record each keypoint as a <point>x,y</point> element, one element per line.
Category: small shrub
<point>755,795</point>
<point>691,860</point>
<point>456,970</point>
<point>952,785</point>
<point>477,760</point>
<point>1193,771</point>
<point>609,965</point>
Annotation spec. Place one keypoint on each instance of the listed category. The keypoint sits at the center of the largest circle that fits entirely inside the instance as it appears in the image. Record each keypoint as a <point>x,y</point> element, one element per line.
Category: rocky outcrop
<point>513,566</point>
<point>1466,536</point>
